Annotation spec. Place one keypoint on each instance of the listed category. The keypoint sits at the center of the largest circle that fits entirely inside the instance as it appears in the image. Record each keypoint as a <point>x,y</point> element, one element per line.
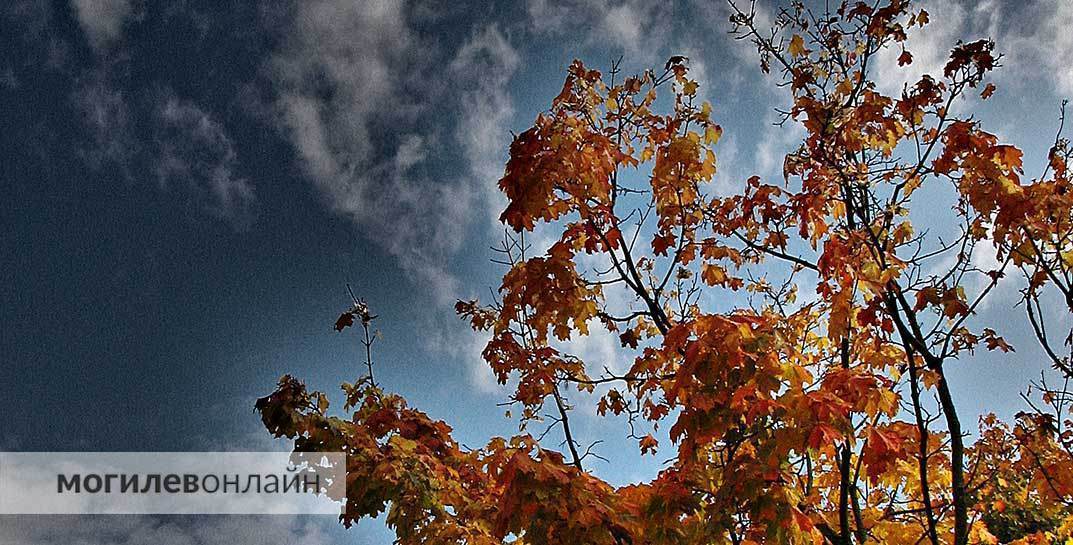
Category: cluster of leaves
<point>825,419</point>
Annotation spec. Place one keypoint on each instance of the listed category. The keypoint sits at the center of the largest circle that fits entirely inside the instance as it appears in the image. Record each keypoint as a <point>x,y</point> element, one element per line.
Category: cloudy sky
<point>188,186</point>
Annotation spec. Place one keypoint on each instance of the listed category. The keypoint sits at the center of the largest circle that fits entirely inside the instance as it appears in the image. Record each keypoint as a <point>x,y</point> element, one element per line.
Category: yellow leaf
<point>797,46</point>
<point>708,168</point>
<point>713,274</point>
<point>1067,258</point>
<point>712,134</point>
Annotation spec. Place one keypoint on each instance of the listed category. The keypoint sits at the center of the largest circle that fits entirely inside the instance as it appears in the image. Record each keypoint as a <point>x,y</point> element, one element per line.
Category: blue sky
<point>188,188</point>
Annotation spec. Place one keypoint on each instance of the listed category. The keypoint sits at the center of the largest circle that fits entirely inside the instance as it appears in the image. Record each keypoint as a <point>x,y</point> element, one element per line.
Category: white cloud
<point>985,258</point>
<point>718,13</point>
<point>483,67</point>
<point>545,16</point>
<point>191,151</point>
<point>624,23</point>
<point>106,114</point>
<point>774,142</point>
<point>412,151</point>
<point>1054,45</point>
<point>1034,39</point>
<point>102,20</point>
<point>196,151</point>
<point>480,373</point>
<point>340,71</point>
<point>731,170</point>
<point>1037,43</point>
<point>356,85</point>
<point>637,27</point>
<point>930,47</point>
<point>343,77</point>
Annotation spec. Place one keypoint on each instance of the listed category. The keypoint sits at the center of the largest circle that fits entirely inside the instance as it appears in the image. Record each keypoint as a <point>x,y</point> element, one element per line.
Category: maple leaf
<point>885,446</point>
<point>648,444</point>
<point>823,434</point>
<point>713,274</point>
<point>995,342</point>
<point>345,320</point>
<point>926,296</point>
<point>797,46</point>
<point>660,243</point>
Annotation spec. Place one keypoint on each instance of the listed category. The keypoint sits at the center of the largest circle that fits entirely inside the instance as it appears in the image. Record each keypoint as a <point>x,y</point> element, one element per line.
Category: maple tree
<point>817,408</point>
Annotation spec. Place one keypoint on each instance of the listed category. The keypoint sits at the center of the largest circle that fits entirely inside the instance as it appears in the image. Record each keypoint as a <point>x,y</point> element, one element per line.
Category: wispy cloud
<point>344,79</point>
<point>482,68</point>
<point>356,85</point>
<point>106,116</point>
<point>930,47</point>
<point>102,20</point>
<point>196,152</point>
<point>638,28</point>
<point>191,153</point>
<point>1037,43</point>
<point>1033,38</point>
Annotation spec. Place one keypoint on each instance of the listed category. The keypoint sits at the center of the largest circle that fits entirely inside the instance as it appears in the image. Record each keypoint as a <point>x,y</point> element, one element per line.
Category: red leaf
<point>345,320</point>
<point>661,243</point>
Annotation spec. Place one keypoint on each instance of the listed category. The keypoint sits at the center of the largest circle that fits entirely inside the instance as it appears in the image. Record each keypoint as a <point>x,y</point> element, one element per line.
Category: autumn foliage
<point>792,338</point>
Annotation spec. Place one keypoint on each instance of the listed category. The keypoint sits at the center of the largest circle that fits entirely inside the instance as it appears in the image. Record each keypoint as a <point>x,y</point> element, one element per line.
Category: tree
<point>793,418</point>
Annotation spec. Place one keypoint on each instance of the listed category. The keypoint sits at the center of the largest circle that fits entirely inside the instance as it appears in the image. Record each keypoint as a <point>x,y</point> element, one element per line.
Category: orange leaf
<point>648,444</point>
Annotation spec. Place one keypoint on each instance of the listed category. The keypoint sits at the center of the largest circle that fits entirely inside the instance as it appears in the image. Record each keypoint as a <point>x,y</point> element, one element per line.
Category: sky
<point>189,186</point>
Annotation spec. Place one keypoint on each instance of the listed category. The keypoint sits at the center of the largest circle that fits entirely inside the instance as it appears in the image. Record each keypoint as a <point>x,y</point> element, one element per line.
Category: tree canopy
<point>816,408</point>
